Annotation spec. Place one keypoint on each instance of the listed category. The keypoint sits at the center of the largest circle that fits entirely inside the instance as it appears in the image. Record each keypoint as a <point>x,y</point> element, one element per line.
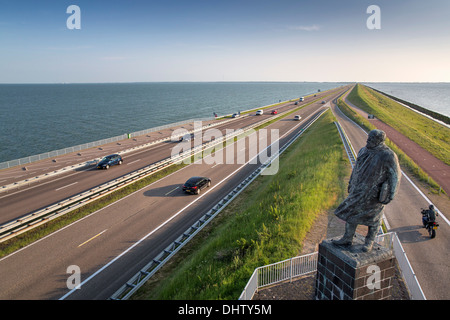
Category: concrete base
<point>348,273</point>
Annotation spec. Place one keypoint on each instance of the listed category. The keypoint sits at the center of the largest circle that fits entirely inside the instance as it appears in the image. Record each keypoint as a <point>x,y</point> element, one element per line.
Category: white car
<point>259,112</point>
<point>186,137</point>
<point>297,118</point>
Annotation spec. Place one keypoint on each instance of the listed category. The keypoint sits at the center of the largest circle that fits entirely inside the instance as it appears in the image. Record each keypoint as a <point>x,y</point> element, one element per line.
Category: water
<point>37,118</point>
<point>431,96</point>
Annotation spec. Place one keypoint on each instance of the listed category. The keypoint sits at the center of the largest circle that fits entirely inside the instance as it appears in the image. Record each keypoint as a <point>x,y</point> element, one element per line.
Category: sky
<point>224,40</point>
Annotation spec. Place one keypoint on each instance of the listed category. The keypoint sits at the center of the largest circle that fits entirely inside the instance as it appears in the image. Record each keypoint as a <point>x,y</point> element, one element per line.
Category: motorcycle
<point>430,225</point>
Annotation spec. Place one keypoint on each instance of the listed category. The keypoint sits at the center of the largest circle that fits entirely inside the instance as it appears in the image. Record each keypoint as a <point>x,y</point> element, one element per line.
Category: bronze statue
<point>373,184</point>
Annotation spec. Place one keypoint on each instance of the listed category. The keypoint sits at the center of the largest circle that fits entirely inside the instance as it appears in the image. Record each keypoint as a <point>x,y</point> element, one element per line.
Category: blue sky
<point>218,40</point>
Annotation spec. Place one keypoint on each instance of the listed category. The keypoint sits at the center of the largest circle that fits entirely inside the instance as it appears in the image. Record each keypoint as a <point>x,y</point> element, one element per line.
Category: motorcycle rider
<point>429,216</point>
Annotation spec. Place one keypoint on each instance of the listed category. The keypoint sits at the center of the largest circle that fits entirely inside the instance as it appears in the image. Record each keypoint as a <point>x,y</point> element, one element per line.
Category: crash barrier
<point>30,221</point>
<point>303,265</point>
<point>129,288</point>
<point>347,145</point>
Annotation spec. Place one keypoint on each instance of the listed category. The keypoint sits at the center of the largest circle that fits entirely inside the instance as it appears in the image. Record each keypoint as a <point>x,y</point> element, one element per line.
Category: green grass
<point>264,224</point>
<point>427,133</point>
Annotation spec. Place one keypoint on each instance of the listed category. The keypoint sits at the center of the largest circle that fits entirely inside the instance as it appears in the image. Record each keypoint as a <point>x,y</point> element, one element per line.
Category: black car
<point>195,184</point>
<point>109,161</point>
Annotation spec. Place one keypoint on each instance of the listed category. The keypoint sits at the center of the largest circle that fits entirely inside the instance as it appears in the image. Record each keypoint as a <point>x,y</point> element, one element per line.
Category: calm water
<point>37,118</point>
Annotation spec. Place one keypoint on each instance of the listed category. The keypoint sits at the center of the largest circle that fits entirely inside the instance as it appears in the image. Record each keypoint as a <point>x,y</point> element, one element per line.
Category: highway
<point>428,257</point>
<point>112,244</point>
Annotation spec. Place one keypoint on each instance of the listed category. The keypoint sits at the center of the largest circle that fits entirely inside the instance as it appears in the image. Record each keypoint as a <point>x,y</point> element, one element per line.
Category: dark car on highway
<point>109,161</point>
<point>195,184</point>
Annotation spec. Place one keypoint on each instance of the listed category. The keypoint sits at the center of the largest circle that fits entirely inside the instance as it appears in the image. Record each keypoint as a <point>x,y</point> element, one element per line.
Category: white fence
<point>278,272</point>
<point>302,265</point>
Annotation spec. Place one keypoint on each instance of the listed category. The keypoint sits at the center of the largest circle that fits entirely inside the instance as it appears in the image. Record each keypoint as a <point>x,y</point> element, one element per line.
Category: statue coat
<point>373,184</point>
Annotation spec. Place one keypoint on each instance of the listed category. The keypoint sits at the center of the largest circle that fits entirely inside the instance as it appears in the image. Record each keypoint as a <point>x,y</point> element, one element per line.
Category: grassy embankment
<point>359,99</point>
<point>264,224</point>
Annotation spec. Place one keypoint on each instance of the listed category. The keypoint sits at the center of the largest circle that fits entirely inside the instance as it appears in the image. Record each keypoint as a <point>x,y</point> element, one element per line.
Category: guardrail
<point>129,288</point>
<point>347,144</point>
<point>26,223</point>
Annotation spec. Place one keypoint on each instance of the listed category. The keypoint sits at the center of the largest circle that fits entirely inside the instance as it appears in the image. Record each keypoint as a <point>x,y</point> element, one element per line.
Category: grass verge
<point>264,224</point>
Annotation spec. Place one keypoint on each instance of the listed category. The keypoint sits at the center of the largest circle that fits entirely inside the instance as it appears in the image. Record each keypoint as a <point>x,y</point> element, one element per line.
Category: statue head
<point>375,138</point>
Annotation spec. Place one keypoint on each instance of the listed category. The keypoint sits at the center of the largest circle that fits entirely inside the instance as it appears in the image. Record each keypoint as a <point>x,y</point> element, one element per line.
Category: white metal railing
<point>278,272</point>
<point>303,265</point>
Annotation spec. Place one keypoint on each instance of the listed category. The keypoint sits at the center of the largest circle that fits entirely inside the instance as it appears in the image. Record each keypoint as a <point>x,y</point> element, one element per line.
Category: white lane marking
<point>69,185</point>
<point>171,191</point>
<point>92,238</point>
<point>133,162</point>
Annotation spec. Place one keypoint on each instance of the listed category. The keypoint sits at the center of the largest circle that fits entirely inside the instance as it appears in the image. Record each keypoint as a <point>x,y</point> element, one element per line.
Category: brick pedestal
<point>348,273</point>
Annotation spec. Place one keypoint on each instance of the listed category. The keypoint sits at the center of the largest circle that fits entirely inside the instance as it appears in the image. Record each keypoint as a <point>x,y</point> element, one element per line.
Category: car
<point>323,102</point>
<point>187,137</point>
<point>235,115</point>
<point>109,161</point>
<point>195,184</point>
<point>259,112</point>
<point>302,99</point>
<point>297,118</point>
<point>274,112</point>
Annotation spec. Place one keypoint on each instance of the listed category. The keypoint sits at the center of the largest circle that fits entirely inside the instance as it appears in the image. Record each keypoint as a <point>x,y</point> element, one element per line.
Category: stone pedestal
<point>348,273</point>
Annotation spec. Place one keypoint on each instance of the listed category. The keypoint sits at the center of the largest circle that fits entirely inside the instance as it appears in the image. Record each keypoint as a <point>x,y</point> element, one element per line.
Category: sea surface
<point>38,118</point>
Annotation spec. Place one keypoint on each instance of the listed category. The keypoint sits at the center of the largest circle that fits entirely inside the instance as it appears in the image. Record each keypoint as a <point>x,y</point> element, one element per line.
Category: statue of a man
<point>373,184</point>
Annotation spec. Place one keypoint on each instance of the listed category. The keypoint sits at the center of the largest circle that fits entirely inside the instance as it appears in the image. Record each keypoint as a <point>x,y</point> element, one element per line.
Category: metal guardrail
<point>26,223</point>
<point>347,144</point>
<point>129,288</point>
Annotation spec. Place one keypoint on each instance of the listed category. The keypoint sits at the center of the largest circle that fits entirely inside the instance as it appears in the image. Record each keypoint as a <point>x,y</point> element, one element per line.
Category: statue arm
<point>390,186</point>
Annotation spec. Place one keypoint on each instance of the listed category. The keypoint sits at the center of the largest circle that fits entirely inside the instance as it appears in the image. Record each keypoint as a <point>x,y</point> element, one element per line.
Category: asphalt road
<point>112,244</point>
<point>429,258</point>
